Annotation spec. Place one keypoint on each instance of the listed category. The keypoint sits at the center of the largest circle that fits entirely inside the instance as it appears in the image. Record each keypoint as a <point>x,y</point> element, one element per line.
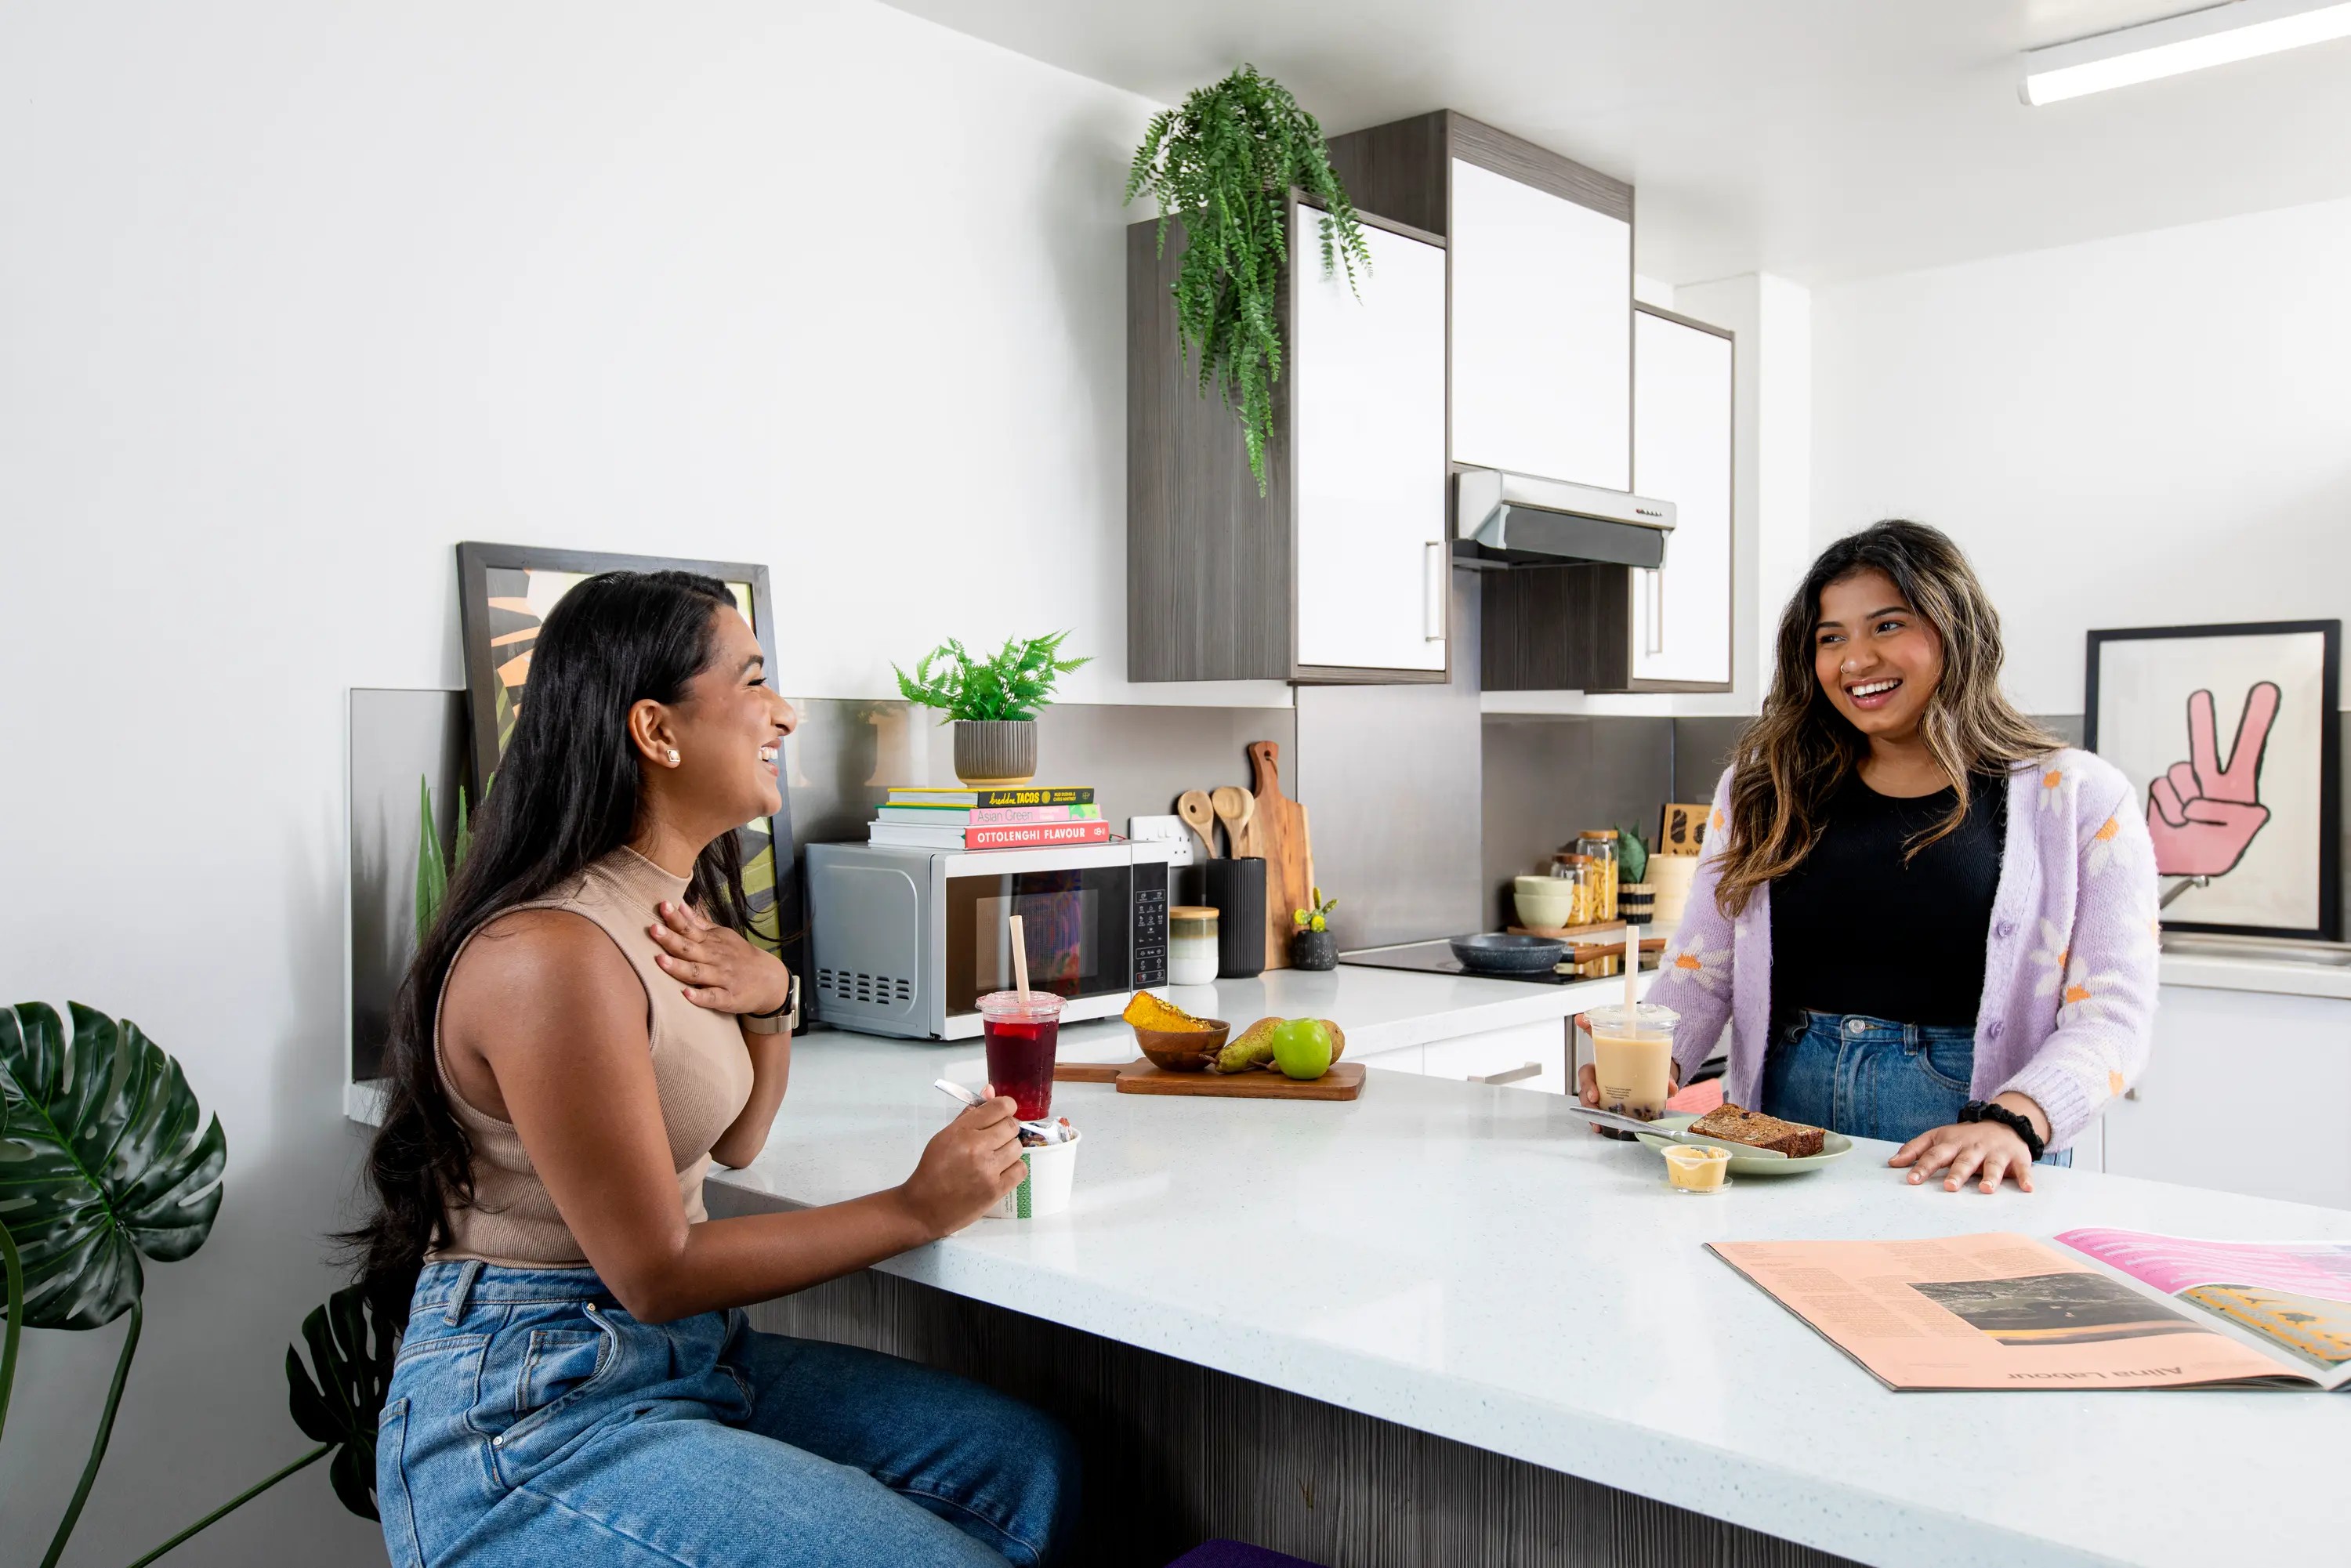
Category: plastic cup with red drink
<point>1021,1028</point>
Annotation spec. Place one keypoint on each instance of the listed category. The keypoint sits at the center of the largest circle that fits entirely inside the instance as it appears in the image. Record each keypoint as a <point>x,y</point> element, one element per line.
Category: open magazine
<point>2096,1309</point>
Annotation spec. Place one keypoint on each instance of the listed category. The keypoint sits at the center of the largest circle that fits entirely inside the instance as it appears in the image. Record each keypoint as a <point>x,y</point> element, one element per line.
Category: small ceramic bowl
<point>1183,1050</point>
<point>1550,914</point>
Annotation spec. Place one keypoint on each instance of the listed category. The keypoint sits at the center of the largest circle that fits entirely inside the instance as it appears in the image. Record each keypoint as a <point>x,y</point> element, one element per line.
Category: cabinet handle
<point>1510,1075</point>
<point>1432,583</point>
<point>1656,610</point>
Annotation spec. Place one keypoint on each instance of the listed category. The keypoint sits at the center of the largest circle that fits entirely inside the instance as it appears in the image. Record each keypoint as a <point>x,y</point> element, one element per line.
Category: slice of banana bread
<point>1757,1130</point>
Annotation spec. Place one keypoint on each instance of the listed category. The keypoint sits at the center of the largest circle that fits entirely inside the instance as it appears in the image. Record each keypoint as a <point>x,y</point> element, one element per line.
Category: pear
<point>1338,1038</point>
<point>1252,1048</point>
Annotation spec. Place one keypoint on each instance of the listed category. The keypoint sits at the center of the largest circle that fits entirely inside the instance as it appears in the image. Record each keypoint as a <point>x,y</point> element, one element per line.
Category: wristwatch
<point>2016,1121</point>
<point>783,1020</point>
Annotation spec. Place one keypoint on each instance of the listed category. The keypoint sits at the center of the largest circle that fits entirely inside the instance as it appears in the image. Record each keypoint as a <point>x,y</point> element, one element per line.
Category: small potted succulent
<point>1312,945</point>
<point>992,702</point>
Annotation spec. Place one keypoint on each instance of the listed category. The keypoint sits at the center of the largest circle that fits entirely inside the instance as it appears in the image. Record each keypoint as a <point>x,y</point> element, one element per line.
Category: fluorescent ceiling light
<point>2216,35</point>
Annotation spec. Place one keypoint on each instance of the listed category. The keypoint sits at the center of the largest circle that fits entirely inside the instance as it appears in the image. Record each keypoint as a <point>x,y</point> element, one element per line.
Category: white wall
<point>2154,430</point>
<point>293,298</point>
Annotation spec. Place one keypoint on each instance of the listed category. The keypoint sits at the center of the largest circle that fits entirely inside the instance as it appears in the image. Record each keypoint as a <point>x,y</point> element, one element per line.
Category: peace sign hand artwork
<point>2201,815</point>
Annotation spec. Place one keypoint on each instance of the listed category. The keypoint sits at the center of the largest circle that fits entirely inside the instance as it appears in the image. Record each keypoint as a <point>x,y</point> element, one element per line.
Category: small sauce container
<point>1689,1168</point>
<point>1191,944</point>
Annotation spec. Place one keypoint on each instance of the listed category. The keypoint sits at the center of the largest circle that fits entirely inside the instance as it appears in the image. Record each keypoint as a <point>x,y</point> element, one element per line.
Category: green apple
<point>1301,1048</point>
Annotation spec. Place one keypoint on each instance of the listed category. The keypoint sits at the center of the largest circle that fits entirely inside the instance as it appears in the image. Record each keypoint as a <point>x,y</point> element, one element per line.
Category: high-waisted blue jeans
<point>1868,1078</point>
<point>532,1421</point>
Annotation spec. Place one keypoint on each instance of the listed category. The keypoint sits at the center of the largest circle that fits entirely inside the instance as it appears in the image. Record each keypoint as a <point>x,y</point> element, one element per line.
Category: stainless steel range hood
<point>1516,520</point>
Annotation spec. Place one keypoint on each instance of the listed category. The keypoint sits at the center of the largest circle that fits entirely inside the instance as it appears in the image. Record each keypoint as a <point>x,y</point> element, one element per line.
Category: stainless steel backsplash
<point>1392,777</point>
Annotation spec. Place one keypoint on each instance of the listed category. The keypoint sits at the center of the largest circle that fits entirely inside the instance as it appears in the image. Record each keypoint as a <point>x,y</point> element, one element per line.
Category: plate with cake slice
<point>1753,1139</point>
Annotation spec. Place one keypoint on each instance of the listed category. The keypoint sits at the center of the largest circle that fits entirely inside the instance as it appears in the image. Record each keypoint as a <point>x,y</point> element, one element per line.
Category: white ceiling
<point>1820,138</point>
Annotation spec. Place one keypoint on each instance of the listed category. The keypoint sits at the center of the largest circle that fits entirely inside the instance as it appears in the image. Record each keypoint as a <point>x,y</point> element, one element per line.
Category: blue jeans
<point>531,1421</point>
<point>1867,1078</point>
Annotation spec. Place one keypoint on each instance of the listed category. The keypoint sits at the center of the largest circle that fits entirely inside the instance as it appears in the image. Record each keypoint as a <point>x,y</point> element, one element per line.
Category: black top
<point>1856,930</point>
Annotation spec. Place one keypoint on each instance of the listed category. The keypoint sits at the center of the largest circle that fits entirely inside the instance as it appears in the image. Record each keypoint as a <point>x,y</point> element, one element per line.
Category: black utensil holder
<point>1237,892</point>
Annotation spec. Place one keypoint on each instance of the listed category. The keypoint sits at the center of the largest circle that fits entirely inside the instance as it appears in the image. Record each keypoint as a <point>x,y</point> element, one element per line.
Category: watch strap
<point>783,1020</point>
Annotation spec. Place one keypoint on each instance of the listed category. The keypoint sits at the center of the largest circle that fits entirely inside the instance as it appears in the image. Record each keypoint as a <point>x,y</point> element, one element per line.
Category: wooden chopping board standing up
<point>1278,828</point>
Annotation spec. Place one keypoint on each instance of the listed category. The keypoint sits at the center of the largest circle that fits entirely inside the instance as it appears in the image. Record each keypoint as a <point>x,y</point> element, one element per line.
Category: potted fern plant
<point>992,701</point>
<point>1223,166</point>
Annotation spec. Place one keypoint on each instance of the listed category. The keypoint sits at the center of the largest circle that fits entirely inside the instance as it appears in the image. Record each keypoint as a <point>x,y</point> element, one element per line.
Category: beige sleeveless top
<point>700,1072</point>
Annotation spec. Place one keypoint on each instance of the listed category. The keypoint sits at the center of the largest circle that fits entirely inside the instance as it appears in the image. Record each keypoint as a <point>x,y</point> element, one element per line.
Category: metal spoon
<point>1695,1140</point>
<point>1041,1127</point>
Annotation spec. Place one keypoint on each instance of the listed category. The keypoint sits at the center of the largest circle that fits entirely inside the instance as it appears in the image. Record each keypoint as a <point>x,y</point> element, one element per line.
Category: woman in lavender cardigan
<point>1924,920</point>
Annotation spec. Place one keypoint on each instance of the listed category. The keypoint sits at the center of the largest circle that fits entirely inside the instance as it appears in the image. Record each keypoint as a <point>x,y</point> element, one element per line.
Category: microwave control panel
<point>1149,927</point>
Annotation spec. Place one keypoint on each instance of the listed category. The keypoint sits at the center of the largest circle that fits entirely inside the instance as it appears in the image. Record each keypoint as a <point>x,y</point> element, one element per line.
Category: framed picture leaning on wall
<point>2230,736</point>
<point>504,592</point>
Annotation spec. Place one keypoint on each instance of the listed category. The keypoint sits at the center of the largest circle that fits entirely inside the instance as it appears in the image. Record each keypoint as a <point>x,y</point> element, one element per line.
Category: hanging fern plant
<point>1224,164</point>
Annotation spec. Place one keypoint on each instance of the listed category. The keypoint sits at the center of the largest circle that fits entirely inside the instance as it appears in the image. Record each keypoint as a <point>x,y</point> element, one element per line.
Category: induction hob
<point>1435,957</point>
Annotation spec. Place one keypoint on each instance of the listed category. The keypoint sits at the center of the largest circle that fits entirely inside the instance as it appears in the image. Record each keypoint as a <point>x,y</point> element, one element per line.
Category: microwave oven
<point>906,941</point>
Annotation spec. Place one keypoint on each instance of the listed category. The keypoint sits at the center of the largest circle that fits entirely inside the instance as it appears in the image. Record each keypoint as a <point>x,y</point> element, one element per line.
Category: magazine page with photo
<point>2290,1299</point>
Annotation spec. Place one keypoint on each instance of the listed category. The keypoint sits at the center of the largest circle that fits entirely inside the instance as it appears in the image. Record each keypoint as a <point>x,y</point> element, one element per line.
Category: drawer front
<point>1505,1054</point>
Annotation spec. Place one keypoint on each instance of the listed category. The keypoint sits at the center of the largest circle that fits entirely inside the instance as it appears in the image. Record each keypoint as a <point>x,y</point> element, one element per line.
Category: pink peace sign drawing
<point>2201,814</point>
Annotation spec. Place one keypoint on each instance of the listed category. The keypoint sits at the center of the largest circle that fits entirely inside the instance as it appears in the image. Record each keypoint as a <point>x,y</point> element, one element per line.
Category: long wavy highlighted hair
<point>1800,749</point>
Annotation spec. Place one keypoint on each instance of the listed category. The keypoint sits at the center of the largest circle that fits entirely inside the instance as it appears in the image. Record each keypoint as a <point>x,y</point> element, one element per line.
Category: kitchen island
<point>1460,1264</point>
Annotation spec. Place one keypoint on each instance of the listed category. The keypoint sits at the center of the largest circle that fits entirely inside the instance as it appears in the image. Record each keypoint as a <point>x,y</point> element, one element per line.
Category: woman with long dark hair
<point>583,1031</point>
<point>1926,920</point>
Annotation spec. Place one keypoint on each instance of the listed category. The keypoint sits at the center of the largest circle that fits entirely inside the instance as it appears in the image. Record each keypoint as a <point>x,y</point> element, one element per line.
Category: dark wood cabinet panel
<point>1209,558</point>
<point>1554,627</point>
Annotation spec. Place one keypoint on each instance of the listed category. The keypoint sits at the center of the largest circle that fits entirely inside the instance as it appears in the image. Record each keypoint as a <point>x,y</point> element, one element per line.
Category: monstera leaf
<point>104,1156</point>
<point>352,1349</point>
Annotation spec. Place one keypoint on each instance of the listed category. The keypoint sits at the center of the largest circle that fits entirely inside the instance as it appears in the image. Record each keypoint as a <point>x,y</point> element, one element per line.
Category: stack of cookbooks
<point>1020,816</point>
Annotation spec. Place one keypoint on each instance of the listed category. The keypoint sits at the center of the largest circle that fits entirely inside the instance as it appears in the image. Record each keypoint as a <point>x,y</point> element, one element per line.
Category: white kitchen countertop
<point>1472,1262</point>
<point>2278,976</point>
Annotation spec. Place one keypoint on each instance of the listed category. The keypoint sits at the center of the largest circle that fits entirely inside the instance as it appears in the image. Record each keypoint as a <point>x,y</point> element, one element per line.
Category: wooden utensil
<point>1237,810</point>
<point>1199,815</point>
<point>1344,1081</point>
<point>1279,832</point>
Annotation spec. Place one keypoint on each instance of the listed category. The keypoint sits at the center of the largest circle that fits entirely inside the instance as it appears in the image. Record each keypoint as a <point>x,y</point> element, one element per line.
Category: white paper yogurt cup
<point>1046,1188</point>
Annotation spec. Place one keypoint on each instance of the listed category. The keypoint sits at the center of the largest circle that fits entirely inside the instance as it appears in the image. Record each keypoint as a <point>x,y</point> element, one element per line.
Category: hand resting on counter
<point>1985,1150</point>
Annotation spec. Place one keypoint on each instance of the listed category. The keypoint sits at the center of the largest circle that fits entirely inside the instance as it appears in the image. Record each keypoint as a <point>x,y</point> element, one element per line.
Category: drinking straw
<point>1021,959</point>
<point>1632,975</point>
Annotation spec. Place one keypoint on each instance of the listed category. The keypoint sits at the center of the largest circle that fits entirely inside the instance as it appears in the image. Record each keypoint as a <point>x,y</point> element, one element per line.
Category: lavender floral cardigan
<point>2069,973</point>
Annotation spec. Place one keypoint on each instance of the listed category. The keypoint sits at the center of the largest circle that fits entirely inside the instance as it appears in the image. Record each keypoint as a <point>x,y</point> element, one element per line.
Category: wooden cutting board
<point>1280,831</point>
<point>1344,1081</point>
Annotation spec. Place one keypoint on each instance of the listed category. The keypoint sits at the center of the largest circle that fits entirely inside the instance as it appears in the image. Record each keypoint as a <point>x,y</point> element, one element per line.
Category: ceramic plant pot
<point>1313,950</point>
<point>995,752</point>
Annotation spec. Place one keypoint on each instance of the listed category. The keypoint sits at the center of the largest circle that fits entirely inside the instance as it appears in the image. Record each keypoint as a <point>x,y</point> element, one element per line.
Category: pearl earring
<point>673,757</point>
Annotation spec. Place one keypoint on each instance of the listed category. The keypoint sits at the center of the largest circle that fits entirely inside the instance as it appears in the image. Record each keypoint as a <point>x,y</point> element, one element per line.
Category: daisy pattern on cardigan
<point>2069,969</point>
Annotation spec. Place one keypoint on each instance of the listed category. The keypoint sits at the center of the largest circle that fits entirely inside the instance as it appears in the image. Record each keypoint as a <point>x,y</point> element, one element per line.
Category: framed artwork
<point>1681,831</point>
<point>504,592</point>
<point>2230,736</point>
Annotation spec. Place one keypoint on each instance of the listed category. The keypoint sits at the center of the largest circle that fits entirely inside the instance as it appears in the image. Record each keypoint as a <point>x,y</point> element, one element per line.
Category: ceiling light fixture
<point>2216,35</point>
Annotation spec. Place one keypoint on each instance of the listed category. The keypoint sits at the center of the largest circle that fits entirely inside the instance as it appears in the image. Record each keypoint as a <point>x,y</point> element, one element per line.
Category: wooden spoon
<point>1193,806</point>
<point>1236,807</point>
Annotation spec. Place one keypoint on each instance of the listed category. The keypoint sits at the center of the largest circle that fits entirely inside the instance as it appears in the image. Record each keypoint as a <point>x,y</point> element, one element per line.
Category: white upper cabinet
<point>1681,445</point>
<point>1368,410</point>
<point>1542,332</point>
